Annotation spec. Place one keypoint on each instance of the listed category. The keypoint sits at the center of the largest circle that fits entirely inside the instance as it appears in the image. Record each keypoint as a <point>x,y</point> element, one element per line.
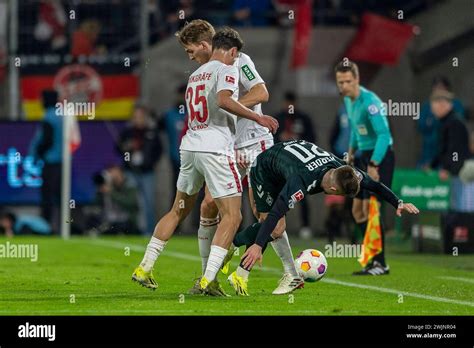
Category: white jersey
<point>248,131</point>
<point>210,128</point>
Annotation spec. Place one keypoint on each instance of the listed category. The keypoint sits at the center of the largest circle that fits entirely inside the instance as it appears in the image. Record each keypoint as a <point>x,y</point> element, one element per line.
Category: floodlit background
<point>120,58</point>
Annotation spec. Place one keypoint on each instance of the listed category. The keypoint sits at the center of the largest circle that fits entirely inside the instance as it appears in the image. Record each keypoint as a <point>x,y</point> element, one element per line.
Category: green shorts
<point>265,192</point>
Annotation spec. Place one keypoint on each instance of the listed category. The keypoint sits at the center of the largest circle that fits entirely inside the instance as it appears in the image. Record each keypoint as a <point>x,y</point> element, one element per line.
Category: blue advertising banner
<point>20,175</point>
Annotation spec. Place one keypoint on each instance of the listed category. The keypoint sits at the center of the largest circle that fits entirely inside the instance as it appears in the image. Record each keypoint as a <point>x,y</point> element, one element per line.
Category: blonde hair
<point>196,31</point>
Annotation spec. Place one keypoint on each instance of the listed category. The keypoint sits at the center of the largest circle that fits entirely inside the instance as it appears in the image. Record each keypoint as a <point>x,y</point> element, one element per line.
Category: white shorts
<point>250,152</point>
<point>217,170</point>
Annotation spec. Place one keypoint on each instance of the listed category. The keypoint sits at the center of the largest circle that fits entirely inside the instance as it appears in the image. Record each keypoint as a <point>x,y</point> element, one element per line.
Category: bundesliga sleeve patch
<point>297,196</point>
<point>229,79</point>
<point>248,72</point>
<point>373,109</point>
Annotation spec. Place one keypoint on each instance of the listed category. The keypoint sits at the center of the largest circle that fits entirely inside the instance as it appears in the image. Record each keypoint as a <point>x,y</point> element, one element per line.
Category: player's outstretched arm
<point>387,195</point>
<point>408,207</point>
<point>226,102</point>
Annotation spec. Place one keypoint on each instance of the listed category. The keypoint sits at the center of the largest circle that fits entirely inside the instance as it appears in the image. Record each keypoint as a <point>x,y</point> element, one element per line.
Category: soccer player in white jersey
<point>251,140</point>
<point>207,155</point>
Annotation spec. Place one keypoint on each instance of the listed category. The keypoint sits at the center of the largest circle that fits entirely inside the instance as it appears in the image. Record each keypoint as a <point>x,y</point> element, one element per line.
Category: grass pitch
<point>86,276</point>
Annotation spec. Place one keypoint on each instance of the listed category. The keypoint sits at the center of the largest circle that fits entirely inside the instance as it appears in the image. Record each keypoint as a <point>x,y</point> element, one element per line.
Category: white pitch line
<point>184,256</point>
<point>398,292</point>
<point>461,279</point>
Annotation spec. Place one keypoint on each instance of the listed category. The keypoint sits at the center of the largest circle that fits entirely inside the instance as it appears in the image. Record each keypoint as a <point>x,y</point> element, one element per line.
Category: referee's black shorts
<point>386,168</point>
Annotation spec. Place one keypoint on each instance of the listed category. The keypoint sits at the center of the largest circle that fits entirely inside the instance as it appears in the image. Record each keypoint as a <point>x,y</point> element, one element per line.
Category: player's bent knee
<point>237,219</point>
<point>209,208</point>
<point>234,219</point>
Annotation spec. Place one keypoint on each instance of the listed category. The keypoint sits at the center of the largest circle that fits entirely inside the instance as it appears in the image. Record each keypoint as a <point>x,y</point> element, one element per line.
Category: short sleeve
<point>249,76</point>
<point>228,79</point>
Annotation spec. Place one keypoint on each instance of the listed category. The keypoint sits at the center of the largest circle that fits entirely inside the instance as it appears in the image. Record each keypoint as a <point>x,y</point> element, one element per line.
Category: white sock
<point>207,229</point>
<point>283,250</point>
<point>216,258</point>
<point>241,272</point>
<point>153,250</point>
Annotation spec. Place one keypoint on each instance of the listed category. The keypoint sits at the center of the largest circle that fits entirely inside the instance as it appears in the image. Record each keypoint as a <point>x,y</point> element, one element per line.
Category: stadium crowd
<point>126,198</point>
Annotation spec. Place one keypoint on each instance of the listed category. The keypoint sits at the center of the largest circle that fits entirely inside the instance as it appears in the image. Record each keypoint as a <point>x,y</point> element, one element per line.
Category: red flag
<point>380,40</point>
<point>302,38</point>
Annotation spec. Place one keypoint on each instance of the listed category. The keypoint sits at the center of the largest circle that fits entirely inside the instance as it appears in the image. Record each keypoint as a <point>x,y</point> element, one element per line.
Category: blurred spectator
<point>453,151</point>
<point>141,149</point>
<point>217,12</point>
<point>297,125</point>
<point>13,224</point>
<point>294,124</point>
<point>51,25</point>
<point>172,122</point>
<point>84,40</point>
<point>252,13</point>
<point>119,201</point>
<point>3,40</point>
<point>47,146</point>
<point>428,124</point>
<point>176,13</point>
<point>453,147</point>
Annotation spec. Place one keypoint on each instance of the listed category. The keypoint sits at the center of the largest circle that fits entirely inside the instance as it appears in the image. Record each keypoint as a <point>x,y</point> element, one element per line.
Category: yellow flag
<point>373,234</point>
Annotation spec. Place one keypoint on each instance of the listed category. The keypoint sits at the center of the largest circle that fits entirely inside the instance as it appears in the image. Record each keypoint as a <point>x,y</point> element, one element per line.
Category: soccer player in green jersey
<point>371,136</point>
<point>284,175</point>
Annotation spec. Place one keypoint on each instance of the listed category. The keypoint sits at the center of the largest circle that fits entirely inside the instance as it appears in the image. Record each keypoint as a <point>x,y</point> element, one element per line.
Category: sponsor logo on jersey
<point>229,79</point>
<point>269,200</point>
<point>362,129</point>
<point>248,72</point>
<point>199,126</point>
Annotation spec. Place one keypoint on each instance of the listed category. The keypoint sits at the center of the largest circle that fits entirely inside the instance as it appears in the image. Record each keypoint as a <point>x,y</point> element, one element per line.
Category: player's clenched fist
<point>268,122</point>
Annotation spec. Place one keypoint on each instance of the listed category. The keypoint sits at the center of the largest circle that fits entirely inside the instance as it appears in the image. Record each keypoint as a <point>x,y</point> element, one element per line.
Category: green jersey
<point>295,160</point>
<point>288,172</point>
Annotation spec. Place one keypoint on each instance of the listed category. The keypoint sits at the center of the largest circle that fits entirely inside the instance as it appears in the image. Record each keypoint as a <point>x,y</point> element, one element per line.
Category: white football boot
<point>288,283</point>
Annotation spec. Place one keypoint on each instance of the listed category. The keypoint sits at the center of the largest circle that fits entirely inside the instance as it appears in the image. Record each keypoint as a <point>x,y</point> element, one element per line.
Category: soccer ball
<point>311,265</point>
